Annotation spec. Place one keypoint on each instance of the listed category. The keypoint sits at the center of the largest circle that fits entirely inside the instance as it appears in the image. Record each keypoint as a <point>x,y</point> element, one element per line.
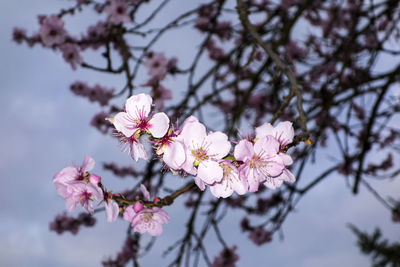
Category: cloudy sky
<point>45,128</point>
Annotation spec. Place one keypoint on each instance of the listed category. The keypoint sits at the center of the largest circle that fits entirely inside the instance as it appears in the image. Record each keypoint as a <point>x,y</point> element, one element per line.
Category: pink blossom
<point>136,149</point>
<point>71,55</point>
<point>83,193</point>
<point>112,210</point>
<point>231,182</point>
<point>226,258</point>
<point>137,206</point>
<point>52,31</point>
<point>260,161</point>
<point>135,121</point>
<point>69,174</point>
<point>157,65</point>
<point>146,220</point>
<point>77,186</point>
<point>117,11</point>
<point>284,134</point>
<point>204,151</point>
<point>19,35</point>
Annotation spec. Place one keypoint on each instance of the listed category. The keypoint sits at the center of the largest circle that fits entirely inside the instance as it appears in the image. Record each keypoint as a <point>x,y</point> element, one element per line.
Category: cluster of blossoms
<point>78,186</point>
<point>96,93</point>
<point>189,150</point>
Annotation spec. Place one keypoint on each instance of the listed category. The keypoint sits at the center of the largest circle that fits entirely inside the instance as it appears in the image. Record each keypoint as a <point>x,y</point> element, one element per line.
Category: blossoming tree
<point>268,85</point>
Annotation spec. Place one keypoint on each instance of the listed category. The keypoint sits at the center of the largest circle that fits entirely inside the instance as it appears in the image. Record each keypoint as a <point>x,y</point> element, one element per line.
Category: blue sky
<point>45,128</point>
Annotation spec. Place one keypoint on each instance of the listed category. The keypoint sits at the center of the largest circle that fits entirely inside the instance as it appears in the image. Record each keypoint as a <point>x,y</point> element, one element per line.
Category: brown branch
<point>294,85</point>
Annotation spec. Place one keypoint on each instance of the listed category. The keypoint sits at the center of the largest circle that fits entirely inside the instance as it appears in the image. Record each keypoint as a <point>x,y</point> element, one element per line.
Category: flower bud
<point>137,206</point>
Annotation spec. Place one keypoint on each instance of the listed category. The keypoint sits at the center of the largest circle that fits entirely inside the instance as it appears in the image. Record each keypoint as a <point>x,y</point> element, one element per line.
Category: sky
<point>45,128</point>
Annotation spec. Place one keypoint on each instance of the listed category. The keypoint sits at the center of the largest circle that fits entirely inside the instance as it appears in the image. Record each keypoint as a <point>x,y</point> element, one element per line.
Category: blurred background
<point>44,128</point>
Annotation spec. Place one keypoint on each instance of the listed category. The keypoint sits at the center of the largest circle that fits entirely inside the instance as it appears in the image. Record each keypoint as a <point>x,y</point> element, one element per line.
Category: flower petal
<point>266,146</point>
<point>124,123</point>
<point>193,135</point>
<point>243,150</point>
<point>139,106</point>
<point>159,125</point>
<point>87,164</point>
<point>264,130</point>
<point>210,172</point>
<point>112,210</point>
<point>284,132</point>
<point>218,145</point>
<point>145,192</point>
<point>174,155</point>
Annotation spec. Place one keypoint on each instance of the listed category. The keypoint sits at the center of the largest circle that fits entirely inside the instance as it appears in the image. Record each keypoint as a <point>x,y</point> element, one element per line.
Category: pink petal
<point>129,213</point>
<point>287,176</point>
<point>273,183</point>
<point>65,175</point>
<point>155,229</point>
<point>94,179</point>
<point>71,203</point>
<point>210,172</point>
<point>218,145</point>
<point>266,146</point>
<point>145,192</point>
<point>96,191</point>
<point>139,106</point>
<point>112,211</point>
<point>137,206</point>
<point>187,166</point>
<point>138,151</point>
<point>123,122</point>
<point>221,189</point>
<point>188,120</point>
<point>193,135</point>
<point>264,130</point>
<point>286,159</point>
<point>87,164</point>
<point>243,150</point>
<point>253,180</point>
<point>200,184</point>
<point>284,132</point>
<point>160,215</point>
<point>159,125</point>
<point>174,155</point>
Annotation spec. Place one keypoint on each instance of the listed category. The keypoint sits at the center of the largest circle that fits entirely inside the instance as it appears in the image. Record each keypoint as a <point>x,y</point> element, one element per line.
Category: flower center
<point>200,154</point>
<point>147,216</point>
<point>257,162</point>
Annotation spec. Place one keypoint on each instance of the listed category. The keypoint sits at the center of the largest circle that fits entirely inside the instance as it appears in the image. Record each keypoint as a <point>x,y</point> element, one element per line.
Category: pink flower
<point>134,121</point>
<point>226,258</point>
<point>62,179</point>
<point>204,151</point>
<point>284,134</point>
<point>111,207</point>
<point>52,31</point>
<point>117,12</point>
<point>83,193</point>
<point>231,182</point>
<point>78,186</point>
<point>157,65</point>
<point>260,161</point>
<point>146,220</point>
<point>71,55</point>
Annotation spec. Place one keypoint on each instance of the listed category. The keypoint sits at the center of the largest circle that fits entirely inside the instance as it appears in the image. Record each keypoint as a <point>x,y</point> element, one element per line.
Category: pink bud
<point>137,206</point>
<point>94,179</point>
<point>156,200</point>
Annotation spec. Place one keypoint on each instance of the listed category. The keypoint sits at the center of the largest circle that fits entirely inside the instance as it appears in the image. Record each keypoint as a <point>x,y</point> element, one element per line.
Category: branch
<point>294,86</point>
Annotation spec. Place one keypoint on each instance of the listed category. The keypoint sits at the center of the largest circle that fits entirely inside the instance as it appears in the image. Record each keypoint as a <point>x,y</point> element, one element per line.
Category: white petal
<point>217,145</point>
<point>210,171</point>
<point>159,125</point>
<point>139,106</point>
